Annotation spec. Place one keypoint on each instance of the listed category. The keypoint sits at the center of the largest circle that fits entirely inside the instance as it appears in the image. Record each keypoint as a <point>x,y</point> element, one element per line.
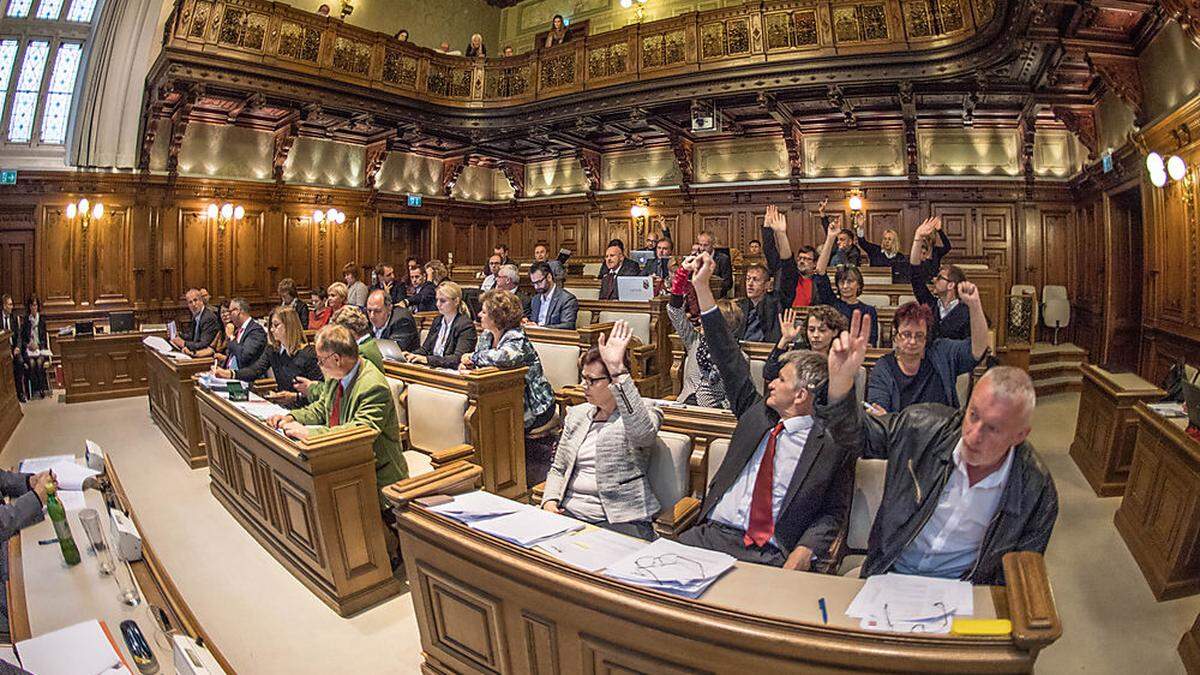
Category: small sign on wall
<point>414,200</point>
<point>8,176</point>
<point>1106,161</point>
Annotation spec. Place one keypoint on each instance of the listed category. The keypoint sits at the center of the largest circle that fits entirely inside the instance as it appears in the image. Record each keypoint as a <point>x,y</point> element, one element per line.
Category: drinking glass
<point>95,534</point>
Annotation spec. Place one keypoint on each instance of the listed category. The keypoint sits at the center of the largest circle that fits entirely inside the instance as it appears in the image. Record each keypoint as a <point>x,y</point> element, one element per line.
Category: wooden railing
<point>282,37</point>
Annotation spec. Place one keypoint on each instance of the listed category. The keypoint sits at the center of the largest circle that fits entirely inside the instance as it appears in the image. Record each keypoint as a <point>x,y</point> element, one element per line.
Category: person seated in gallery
<point>702,384</point>
<point>600,467</point>
<point>815,333</point>
<point>760,307</point>
<point>503,344</point>
<point>391,323</point>
<point>355,393</point>
<point>452,334</point>
<point>205,325</point>
<point>922,369</point>
<point>10,322</point>
<point>963,487</point>
<point>356,290</point>
<point>615,265</point>
<point>550,306</point>
<point>401,35</point>
<point>476,48</point>
<point>850,282</point>
<point>558,31</point>
<point>217,346</point>
<point>420,291</point>
<point>783,490</point>
<point>289,298</point>
<point>288,356</point>
<point>247,339</point>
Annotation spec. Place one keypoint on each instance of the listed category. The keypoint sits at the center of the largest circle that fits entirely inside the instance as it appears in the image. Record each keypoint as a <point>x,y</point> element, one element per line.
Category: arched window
<point>41,53</point>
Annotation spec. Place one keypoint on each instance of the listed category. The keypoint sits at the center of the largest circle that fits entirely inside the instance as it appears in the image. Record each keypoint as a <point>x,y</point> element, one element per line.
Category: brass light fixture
<point>324,218</point>
<point>856,204</point>
<point>225,215</point>
<point>639,9</point>
<point>85,212</point>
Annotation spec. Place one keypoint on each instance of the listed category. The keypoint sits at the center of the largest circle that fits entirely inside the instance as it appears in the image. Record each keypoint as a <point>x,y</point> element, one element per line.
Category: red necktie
<point>804,289</point>
<point>238,337</point>
<point>335,413</point>
<point>762,519</point>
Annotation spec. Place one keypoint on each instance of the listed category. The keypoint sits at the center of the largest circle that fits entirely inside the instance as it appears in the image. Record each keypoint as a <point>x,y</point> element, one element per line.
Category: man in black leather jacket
<point>963,487</point>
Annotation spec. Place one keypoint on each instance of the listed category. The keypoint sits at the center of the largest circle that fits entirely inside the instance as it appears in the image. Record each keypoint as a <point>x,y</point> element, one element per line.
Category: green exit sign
<point>8,176</point>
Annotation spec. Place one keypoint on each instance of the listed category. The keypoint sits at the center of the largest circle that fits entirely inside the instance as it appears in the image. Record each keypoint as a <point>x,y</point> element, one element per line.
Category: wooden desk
<point>650,361</point>
<point>312,504</point>
<point>495,425</point>
<point>486,606</point>
<point>173,403</point>
<point>1189,649</point>
<point>1160,515</point>
<point>1106,429</point>
<point>104,366</point>
<point>10,408</point>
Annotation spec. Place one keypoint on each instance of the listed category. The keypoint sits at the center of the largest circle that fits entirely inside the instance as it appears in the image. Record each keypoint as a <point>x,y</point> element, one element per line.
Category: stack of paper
<point>593,549</point>
<point>210,381</point>
<point>902,603</point>
<point>670,566</point>
<point>69,473</point>
<point>1169,409</point>
<point>527,526</point>
<point>83,648</point>
<point>478,505</point>
<point>260,408</point>
<point>157,344</point>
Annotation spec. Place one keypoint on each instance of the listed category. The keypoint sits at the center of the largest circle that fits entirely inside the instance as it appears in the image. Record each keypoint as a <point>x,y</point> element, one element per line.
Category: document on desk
<point>260,408</point>
<point>172,330</point>
<point>1168,410</point>
<point>478,505</point>
<point>527,526</point>
<point>40,464</point>
<point>592,549</point>
<point>157,344</point>
<point>210,381</point>
<point>86,647</point>
<point>70,474</point>
<point>669,566</point>
<point>906,603</point>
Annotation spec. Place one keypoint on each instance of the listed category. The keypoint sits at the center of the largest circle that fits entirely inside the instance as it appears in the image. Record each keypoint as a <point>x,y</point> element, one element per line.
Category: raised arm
<point>846,354</point>
<point>968,293</point>
<point>826,251</point>
<point>924,232</point>
<point>641,425</point>
<point>722,346</point>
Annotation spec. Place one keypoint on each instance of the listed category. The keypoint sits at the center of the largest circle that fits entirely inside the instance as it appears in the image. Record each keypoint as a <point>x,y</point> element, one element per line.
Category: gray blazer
<point>564,307</point>
<point>622,455</point>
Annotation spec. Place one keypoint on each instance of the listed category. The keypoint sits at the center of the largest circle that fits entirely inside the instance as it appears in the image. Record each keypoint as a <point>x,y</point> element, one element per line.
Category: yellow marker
<point>981,627</point>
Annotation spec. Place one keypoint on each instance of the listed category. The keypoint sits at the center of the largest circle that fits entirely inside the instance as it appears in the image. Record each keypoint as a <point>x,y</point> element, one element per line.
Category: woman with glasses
<point>816,332</point>
<point>600,468</point>
<point>452,334</point>
<point>849,280</point>
<point>288,355</point>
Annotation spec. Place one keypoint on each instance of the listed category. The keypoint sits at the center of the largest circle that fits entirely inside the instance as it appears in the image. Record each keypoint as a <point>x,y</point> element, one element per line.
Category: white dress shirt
<point>943,310</point>
<point>544,309</point>
<point>734,508</point>
<point>488,283</point>
<point>949,542</point>
<point>439,347</point>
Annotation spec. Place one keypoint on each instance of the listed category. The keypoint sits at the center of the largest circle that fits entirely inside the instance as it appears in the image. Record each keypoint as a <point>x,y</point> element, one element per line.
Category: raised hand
<point>788,329</point>
<point>968,293</point>
<point>926,228</point>
<point>704,271</point>
<point>612,348</point>
<point>937,223</point>
<point>691,263</point>
<point>846,355</point>
<point>822,205</point>
<point>775,220</point>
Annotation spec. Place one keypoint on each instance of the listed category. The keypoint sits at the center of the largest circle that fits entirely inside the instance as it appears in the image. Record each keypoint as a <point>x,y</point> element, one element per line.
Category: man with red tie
<point>783,489</point>
<point>247,339</point>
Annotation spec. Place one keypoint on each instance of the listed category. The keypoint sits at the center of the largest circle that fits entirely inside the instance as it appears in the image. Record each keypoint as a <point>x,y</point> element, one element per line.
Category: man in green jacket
<point>354,392</point>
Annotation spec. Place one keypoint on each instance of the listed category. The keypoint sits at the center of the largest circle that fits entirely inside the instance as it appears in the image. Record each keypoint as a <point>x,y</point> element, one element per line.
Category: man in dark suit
<point>724,264</point>
<point>783,489</point>
<point>759,307</point>
<point>615,265</point>
<point>660,265</point>
<point>391,323</point>
<point>951,318</point>
<point>247,339</point>
<point>422,295</point>
<point>205,324</point>
<point>385,280</point>
<point>10,322</point>
<point>552,307</point>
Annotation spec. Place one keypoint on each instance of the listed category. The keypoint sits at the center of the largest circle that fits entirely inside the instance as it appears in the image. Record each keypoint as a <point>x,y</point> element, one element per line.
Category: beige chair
<point>756,372</point>
<point>639,323</point>
<point>560,363</point>
<point>870,476</point>
<point>586,293</point>
<point>1056,308</point>
<point>424,334</point>
<point>905,299</point>
<point>668,472</point>
<point>436,418</point>
<point>591,269</point>
<point>875,300</point>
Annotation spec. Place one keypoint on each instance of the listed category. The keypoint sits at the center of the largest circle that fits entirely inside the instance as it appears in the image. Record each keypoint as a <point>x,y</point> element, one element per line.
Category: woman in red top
<point>321,311</point>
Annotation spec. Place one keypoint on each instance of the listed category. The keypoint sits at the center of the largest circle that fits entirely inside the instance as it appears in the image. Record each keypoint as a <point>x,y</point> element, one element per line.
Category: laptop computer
<point>637,289</point>
<point>85,328</point>
<point>120,322</point>
<point>390,350</point>
<point>1191,396</point>
<point>641,257</point>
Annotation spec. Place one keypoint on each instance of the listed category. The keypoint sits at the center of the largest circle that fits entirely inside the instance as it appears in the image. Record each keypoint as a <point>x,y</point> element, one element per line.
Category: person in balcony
<point>558,31</point>
<point>476,48</point>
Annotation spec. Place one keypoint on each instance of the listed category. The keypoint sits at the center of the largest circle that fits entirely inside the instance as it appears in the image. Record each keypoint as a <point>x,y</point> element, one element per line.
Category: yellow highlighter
<point>981,627</point>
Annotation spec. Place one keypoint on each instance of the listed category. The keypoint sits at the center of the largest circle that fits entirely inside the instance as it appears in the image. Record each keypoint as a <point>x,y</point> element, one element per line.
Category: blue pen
<point>824,612</point>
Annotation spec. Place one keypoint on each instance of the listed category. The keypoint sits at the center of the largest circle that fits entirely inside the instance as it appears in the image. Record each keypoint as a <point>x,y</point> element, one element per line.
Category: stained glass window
<point>29,82</point>
<point>8,56</point>
<point>62,88</point>
<point>19,8</point>
<point>49,9</point>
<point>81,10</point>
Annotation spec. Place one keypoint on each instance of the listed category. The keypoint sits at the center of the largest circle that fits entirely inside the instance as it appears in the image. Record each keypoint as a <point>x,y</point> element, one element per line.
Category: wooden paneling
<point>197,264</point>
<point>103,367</point>
<point>17,264</point>
<point>247,264</point>
<point>1106,430</point>
<point>55,251</point>
<point>298,253</point>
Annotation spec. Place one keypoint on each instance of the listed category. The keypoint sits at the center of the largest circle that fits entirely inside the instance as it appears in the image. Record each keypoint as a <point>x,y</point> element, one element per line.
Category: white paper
<point>478,505</point>
<point>669,566</point>
<point>260,409</point>
<point>40,464</point>
<point>72,500</point>
<point>527,526</point>
<point>70,474</point>
<point>593,549</point>
<point>74,650</point>
<point>906,603</point>
<point>172,331</point>
<point>210,381</point>
<point>157,344</point>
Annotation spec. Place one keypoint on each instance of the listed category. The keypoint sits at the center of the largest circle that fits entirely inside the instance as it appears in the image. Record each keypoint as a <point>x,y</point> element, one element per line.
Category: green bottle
<point>58,516</point>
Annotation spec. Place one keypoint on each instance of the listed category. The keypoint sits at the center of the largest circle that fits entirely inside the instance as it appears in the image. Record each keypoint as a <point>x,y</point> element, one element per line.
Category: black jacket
<point>957,323</point>
<point>204,330</point>
<point>250,347</point>
<point>918,444</point>
<point>460,341</point>
<point>285,367</point>
<point>724,271</point>
<point>12,323</point>
<point>423,298</point>
<point>768,318</point>
<point>27,328</point>
<point>400,327</point>
<point>301,311</point>
<point>787,275</point>
<point>818,496</point>
<point>608,278</point>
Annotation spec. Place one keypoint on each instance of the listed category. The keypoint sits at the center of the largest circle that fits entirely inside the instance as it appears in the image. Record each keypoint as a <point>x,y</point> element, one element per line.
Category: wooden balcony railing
<point>282,37</point>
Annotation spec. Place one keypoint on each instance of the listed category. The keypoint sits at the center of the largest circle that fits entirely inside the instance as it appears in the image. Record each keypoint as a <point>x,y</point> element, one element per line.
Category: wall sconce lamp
<point>1173,168</point>
<point>855,202</point>
<point>324,218</point>
<point>639,8</point>
<point>85,212</point>
<point>225,215</point>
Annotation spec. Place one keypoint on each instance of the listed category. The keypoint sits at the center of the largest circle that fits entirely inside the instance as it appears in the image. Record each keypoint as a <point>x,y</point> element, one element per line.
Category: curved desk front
<point>486,606</point>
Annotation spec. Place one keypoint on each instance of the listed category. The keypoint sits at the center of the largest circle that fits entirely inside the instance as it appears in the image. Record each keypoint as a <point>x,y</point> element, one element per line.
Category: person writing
<point>452,334</point>
<point>964,487</point>
<point>288,356</point>
<point>600,467</point>
<point>783,489</point>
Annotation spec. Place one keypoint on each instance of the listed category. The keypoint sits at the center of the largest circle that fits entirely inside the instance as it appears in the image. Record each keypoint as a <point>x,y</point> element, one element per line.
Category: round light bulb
<point>212,211</point>
<point>318,215</point>
<point>84,205</point>
<point>227,211</point>
<point>626,4</point>
<point>98,211</point>
<point>1158,178</point>
<point>1176,168</point>
<point>341,217</point>
<point>1154,162</point>
<point>855,203</point>
<point>71,211</point>
<point>239,212</point>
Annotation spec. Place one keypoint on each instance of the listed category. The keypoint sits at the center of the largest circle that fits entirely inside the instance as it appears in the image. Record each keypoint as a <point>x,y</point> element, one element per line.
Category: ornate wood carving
<point>285,138</point>
<point>589,160</point>
<point>514,172</point>
<point>179,122</point>
<point>1120,74</point>
<point>1082,123</point>
<point>376,155</point>
<point>1187,14</point>
<point>681,147</point>
<point>838,100</point>
<point>451,171</point>
<point>793,138</point>
<point>908,109</point>
<point>1028,129</point>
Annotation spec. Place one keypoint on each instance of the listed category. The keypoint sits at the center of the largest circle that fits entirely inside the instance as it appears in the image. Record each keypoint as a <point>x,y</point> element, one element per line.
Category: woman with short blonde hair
<point>289,356</point>
<point>436,271</point>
